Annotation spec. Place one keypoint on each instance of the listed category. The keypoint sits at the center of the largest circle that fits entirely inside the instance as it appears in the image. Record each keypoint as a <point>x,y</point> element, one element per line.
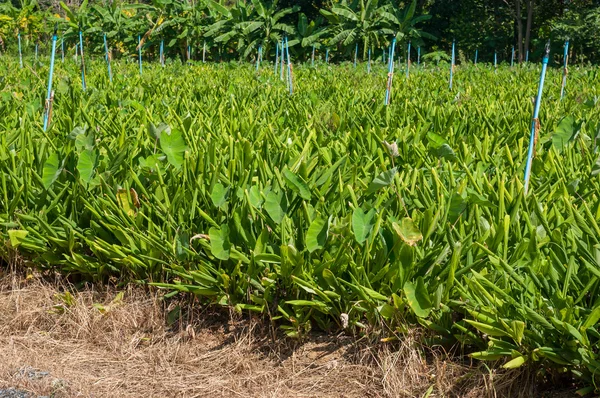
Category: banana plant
<point>309,34</point>
<point>272,28</point>
<point>360,22</point>
<point>404,23</point>
<point>235,27</point>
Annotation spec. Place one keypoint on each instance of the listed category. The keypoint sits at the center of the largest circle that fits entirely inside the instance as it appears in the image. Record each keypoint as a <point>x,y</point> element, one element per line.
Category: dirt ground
<point>109,343</point>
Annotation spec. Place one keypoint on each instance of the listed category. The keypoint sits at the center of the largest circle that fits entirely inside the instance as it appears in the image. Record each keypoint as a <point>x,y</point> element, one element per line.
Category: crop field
<point>324,209</point>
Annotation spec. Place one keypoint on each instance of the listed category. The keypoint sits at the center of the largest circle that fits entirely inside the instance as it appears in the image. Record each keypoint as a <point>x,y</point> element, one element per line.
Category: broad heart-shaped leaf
<point>219,196</point>
<point>276,206</point>
<point>564,132</point>
<point>156,131</point>
<point>317,234</point>
<point>457,205</point>
<point>219,242</point>
<point>444,151</point>
<point>296,184</point>
<point>362,224</point>
<point>86,165</point>
<point>382,180</point>
<point>418,298</point>
<point>173,145</point>
<point>17,236</point>
<point>408,231</point>
<point>52,169</point>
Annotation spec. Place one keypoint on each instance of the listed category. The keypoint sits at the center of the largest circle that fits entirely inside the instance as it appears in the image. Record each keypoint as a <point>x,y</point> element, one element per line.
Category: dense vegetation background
<point>237,28</point>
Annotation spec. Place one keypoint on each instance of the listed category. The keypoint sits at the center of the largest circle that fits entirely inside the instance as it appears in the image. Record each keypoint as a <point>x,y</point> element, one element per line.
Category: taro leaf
<point>219,242</point>
<point>151,161</point>
<point>156,131</point>
<point>296,184</point>
<point>276,206</point>
<point>457,206</point>
<point>256,199</point>
<point>17,236</point>
<point>408,231</point>
<point>76,132</point>
<point>51,171</point>
<point>219,196</point>
<point>418,298</point>
<point>444,151</point>
<point>596,168</point>
<point>564,132</point>
<point>382,180</point>
<point>317,234</point>
<point>435,140</point>
<point>591,320</point>
<point>173,145</point>
<point>478,199</point>
<point>126,202</point>
<point>86,165</point>
<point>362,224</point>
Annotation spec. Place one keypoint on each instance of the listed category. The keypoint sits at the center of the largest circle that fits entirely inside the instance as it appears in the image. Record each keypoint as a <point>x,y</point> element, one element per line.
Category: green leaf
<point>317,234</point>
<point>276,206</point>
<point>86,165</point>
<point>219,196</point>
<point>592,318</point>
<point>408,231</point>
<point>51,171</point>
<point>173,145</point>
<point>362,224</point>
<point>418,298</point>
<point>515,363</point>
<point>296,184</point>
<point>17,236</point>
<point>219,242</point>
<point>564,132</point>
<point>306,303</point>
<point>382,180</point>
<point>445,152</point>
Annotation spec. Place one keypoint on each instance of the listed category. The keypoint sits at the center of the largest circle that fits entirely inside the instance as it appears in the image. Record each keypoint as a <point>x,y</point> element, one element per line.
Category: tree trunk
<point>530,5</point>
<point>519,29</point>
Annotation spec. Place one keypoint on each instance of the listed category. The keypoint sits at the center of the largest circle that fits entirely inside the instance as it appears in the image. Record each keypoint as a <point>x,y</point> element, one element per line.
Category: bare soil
<point>56,341</point>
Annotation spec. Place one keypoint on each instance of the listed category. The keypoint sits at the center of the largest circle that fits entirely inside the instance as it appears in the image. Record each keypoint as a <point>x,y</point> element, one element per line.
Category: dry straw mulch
<point>100,343</point>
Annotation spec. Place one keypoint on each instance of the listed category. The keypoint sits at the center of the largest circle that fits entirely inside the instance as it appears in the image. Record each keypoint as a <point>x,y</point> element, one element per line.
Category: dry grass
<point>124,348</point>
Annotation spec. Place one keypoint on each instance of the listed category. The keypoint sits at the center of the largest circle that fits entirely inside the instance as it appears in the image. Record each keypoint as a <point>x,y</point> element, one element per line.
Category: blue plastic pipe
<point>452,65</point>
<point>289,66</point>
<point>496,61</point>
<point>62,48</point>
<point>388,88</point>
<point>512,57</point>
<point>107,59</point>
<point>327,56</point>
<point>140,52</point>
<point>82,60</point>
<point>282,60</point>
<point>534,121</point>
<point>49,93</point>
<point>369,63</point>
<point>418,55</point>
<point>258,57</point>
<point>355,54</point>
<point>312,57</point>
<point>162,53</point>
<point>20,52</point>
<point>476,55</point>
<point>276,57</point>
<point>566,62</point>
<point>408,60</point>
